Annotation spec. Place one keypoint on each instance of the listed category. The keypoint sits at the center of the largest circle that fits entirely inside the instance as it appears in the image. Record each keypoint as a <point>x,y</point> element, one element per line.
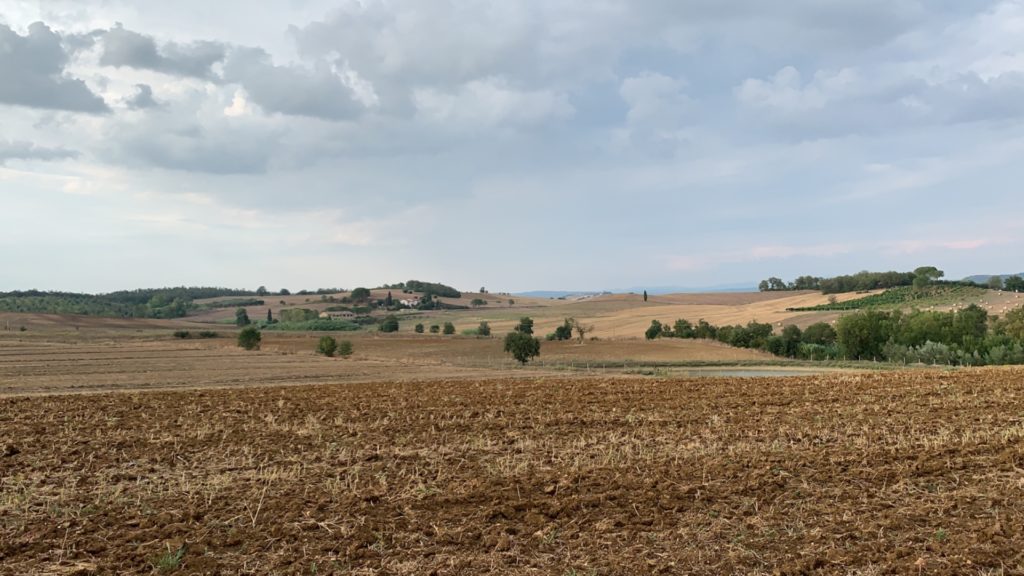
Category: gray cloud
<point>143,98</point>
<point>32,69</point>
<point>122,47</point>
<point>21,150</point>
<point>317,93</point>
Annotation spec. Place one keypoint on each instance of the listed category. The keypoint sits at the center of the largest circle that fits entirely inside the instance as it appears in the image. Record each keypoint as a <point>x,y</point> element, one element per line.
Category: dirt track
<point>916,473</point>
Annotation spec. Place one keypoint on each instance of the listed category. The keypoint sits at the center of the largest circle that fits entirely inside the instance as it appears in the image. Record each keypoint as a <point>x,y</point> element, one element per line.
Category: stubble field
<point>912,473</point>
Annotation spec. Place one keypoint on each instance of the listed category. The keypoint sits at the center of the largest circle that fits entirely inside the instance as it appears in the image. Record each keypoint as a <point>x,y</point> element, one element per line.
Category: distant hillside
<point>651,290</point>
<point>983,278</point>
<point>146,303</point>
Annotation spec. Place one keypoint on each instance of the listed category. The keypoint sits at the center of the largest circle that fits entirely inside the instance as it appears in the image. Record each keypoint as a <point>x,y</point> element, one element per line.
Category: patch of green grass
<point>170,560</point>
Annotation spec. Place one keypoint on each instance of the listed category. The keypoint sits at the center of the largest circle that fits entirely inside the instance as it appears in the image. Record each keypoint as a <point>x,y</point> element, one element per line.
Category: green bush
<point>344,348</point>
<point>182,334</point>
<point>207,334</point>
<point>484,329</point>
<point>449,328</point>
<point>435,329</point>
<point>327,346</point>
<point>419,328</point>
<point>389,324</point>
<point>250,338</point>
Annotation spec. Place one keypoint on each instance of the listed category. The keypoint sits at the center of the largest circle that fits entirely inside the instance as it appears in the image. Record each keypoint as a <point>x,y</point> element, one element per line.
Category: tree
<point>262,291</point>
<point>925,275</point>
<point>483,290</point>
<point>525,325</point>
<point>344,348</point>
<point>484,329</point>
<point>995,282</point>
<point>389,324</point>
<point>242,317</point>
<point>327,346</point>
<point>822,334</point>
<point>763,286</point>
<point>645,295</point>
<point>564,332</point>
<point>476,302</point>
<point>683,329</point>
<point>1014,284</point>
<point>862,335</point>
<point>654,331</point>
<point>581,329</point>
<point>449,328</point>
<point>360,295</point>
<point>249,338</point>
<point>419,328</point>
<point>284,292</point>
<point>270,317</point>
<point>435,329</point>
<point>522,346</point>
<point>388,301</point>
<point>791,338</point>
<point>511,302</point>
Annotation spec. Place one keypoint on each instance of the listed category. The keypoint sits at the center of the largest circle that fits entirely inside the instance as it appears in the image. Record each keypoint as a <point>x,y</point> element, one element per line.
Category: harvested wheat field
<point>912,473</point>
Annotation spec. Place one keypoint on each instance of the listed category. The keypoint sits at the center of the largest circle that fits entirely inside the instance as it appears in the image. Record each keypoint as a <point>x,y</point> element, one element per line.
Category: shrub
<point>419,328</point>
<point>241,317</point>
<point>207,334</point>
<point>389,324</point>
<point>654,331</point>
<point>327,346</point>
<point>449,328</point>
<point>522,346</point>
<point>484,329</point>
<point>435,329</point>
<point>182,334</point>
<point>344,348</point>
<point>563,332</point>
<point>250,338</point>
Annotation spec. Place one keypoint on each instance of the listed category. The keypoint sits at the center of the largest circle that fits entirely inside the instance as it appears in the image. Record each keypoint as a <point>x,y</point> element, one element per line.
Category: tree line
<point>864,281</point>
<point>966,337</point>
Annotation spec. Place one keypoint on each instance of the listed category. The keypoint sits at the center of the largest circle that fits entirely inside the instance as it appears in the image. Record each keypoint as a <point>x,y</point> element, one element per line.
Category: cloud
<point>319,92</point>
<point>19,150</point>
<point>143,98</point>
<point>32,73</point>
<point>489,102</point>
<point>124,48</point>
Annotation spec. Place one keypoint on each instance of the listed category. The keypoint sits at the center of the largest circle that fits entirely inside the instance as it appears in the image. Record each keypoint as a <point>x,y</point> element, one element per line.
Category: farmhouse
<point>342,315</point>
<point>411,302</point>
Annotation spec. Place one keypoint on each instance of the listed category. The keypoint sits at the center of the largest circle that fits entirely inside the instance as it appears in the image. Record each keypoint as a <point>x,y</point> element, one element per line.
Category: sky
<point>538,144</point>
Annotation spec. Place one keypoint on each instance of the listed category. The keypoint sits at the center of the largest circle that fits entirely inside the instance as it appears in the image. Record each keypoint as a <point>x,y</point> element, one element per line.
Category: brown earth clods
<point>907,473</point>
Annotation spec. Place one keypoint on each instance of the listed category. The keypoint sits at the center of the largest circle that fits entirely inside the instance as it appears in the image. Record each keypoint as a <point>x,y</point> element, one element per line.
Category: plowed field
<point>909,473</point>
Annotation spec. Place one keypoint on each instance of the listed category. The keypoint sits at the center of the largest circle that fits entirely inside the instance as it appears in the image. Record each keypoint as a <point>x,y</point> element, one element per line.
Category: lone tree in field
<point>525,325</point>
<point>564,332</point>
<point>581,329</point>
<point>419,328</point>
<point>522,346</point>
<point>435,329</point>
<point>484,329</point>
<point>270,317</point>
<point>250,338</point>
<point>327,346</point>
<point>449,328</point>
<point>645,295</point>
<point>241,317</point>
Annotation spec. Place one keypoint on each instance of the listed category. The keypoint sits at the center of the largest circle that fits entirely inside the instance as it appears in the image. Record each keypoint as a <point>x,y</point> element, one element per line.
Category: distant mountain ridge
<point>983,278</point>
